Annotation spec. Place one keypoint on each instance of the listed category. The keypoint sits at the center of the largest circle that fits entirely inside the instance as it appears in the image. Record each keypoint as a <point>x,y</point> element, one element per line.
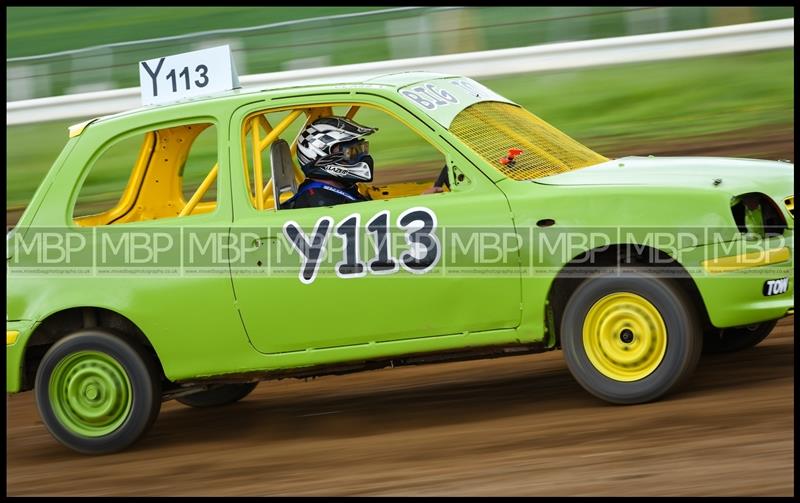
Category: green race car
<point>155,261</point>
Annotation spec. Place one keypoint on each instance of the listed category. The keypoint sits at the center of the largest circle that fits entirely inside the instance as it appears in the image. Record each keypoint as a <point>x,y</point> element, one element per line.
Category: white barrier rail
<point>583,54</point>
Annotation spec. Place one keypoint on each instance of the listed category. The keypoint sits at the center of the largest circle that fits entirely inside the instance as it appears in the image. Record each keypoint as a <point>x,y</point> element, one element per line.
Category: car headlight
<point>757,214</point>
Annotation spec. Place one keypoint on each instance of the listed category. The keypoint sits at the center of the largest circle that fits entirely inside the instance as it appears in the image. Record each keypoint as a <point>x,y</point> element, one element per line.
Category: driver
<point>334,157</point>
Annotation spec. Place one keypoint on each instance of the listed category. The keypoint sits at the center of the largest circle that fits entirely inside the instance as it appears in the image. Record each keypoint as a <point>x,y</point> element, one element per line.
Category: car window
<point>151,176</point>
<point>519,144</point>
<point>405,163</point>
<point>108,177</point>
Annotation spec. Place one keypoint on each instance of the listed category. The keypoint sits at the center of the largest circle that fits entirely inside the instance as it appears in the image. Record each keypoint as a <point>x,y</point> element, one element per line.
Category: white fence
<point>584,54</point>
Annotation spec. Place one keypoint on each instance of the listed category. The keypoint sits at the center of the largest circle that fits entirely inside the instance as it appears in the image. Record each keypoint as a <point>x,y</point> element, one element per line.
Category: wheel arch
<point>61,323</point>
<point>573,273</point>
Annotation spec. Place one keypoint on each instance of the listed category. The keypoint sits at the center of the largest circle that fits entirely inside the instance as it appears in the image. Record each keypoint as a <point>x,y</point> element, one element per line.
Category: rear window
<point>491,129</point>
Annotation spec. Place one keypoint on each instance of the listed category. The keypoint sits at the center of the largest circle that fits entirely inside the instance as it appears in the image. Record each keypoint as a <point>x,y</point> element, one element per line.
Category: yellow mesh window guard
<point>492,128</point>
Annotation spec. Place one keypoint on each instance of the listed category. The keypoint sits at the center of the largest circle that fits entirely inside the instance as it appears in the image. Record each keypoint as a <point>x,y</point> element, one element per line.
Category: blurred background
<point>733,104</point>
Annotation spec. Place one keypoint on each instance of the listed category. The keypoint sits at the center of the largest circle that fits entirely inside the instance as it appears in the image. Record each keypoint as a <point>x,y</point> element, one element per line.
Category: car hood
<point>730,174</point>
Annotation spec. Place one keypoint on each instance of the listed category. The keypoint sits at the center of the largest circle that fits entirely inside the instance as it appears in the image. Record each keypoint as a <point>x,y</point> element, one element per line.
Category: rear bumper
<point>17,334</point>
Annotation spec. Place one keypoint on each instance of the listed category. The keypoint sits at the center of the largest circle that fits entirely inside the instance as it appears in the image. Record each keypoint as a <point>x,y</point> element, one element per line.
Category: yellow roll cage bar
<point>254,124</point>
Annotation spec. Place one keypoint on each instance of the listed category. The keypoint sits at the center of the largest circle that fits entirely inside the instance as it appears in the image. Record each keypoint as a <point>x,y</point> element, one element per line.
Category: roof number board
<point>188,75</point>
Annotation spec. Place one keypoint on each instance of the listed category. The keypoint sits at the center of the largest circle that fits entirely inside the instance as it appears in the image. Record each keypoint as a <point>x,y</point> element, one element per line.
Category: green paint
<point>247,320</point>
<point>90,393</point>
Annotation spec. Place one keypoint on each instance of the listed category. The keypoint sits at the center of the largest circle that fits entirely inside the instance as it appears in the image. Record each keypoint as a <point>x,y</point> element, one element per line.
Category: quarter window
<point>164,173</point>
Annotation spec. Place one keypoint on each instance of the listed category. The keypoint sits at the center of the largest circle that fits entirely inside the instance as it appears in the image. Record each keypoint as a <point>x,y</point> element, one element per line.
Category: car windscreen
<point>519,144</point>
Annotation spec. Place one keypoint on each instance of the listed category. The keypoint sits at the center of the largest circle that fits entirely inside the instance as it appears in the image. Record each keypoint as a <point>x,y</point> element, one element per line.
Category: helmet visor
<point>352,151</point>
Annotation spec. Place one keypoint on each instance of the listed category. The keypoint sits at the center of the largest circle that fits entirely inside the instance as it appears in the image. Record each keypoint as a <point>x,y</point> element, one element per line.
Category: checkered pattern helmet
<point>316,141</point>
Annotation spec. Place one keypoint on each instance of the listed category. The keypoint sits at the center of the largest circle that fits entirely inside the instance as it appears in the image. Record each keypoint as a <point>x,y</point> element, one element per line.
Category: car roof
<point>394,80</point>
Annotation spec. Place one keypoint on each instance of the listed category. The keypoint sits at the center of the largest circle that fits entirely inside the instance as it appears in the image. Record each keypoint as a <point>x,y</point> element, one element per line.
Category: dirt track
<point>510,426</point>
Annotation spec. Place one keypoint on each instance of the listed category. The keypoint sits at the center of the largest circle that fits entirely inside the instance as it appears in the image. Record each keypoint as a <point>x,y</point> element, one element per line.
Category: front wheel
<point>733,339</point>
<point>222,395</point>
<point>630,338</point>
<point>96,393</point>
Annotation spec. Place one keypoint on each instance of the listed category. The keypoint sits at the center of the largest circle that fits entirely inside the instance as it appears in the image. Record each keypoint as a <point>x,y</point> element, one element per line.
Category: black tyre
<point>733,339</point>
<point>224,394</point>
<point>96,393</point>
<point>631,337</point>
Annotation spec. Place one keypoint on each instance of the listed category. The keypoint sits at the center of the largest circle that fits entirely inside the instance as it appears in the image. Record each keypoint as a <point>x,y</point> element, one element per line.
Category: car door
<point>316,278</point>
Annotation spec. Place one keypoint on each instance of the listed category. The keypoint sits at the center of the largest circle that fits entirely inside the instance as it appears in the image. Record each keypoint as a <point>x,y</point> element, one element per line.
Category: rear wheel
<point>733,339</point>
<point>222,395</point>
<point>630,338</point>
<point>96,393</point>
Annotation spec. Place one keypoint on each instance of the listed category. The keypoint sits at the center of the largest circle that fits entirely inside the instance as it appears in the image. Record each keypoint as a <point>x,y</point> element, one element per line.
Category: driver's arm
<point>440,183</point>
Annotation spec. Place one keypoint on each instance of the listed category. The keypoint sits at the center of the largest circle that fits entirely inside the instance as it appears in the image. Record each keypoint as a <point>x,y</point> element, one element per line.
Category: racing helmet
<point>333,148</point>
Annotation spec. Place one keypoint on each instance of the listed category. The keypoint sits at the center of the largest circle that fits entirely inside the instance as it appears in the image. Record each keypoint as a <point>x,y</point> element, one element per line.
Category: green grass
<point>659,100</point>
<point>40,30</point>
<point>621,105</point>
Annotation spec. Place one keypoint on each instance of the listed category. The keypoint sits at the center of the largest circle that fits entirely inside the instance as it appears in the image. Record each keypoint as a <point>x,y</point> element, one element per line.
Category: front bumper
<point>737,297</point>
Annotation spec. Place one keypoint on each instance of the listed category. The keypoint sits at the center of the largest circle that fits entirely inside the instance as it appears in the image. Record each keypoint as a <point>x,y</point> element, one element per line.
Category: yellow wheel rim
<point>624,336</point>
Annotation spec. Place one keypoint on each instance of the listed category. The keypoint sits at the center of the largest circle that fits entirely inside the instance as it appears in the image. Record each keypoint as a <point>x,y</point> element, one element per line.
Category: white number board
<point>197,73</point>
